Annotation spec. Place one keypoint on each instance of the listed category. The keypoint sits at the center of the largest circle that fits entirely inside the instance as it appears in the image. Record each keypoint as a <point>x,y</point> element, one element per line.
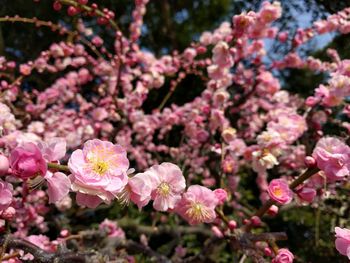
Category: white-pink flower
<point>333,157</point>
<point>98,172</point>
<point>197,205</point>
<point>169,183</point>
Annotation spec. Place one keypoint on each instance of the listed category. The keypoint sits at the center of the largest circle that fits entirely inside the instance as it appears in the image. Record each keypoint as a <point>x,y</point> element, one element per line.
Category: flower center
<point>198,212</point>
<point>164,189</point>
<point>100,167</point>
<point>278,191</point>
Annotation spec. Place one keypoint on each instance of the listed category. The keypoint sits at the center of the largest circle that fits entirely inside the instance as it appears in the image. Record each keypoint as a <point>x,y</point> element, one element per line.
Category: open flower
<point>333,157</point>
<point>280,192</point>
<point>197,205</point>
<point>283,256</point>
<point>98,172</point>
<point>342,242</point>
<point>169,184</point>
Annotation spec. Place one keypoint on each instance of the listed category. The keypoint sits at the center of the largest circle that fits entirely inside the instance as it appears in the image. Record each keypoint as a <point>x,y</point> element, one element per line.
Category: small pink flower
<point>283,256</point>
<point>98,172</point>
<point>333,157</point>
<point>5,195</point>
<point>27,161</point>
<point>41,241</point>
<point>342,242</point>
<point>169,184</point>
<point>280,192</point>
<point>197,205</point>
<point>112,229</point>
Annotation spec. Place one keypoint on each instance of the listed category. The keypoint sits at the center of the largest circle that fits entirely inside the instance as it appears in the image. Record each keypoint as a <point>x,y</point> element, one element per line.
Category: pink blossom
<point>99,170</point>
<point>58,186</point>
<point>342,242</point>
<point>169,184</point>
<point>197,205</point>
<point>307,194</point>
<point>221,195</point>
<point>112,229</point>
<point>5,195</point>
<point>4,165</point>
<point>333,157</point>
<point>26,161</point>
<point>42,241</point>
<point>53,149</point>
<point>279,191</point>
<point>270,12</point>
<point>283,256</point>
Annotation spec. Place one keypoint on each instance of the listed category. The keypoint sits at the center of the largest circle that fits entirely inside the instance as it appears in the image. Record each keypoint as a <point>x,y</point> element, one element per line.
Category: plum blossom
<point>98,172</point>
<point>333,157</point>
<point>342,241</point>
<point>5,195</point>
<point>197,205</point>
<point>280,192</point>
<point>283,256</point>
<point>169,184</point>
<point>263,160</point>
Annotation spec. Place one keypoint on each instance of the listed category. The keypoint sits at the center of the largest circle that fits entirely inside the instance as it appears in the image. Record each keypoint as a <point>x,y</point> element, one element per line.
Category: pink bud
<point>268,251</point>
<point>311,101</point>
<point>217,232</point>
<point>72,11</point>
<point>83,2</point>
<point>201,50</point>
<point>64,233</point>
<point>273,210</point>
<point>310,161</point>
<point>246,222</point>
<point>256,221</point>
<point>232,224</point>
<point>9,213</point>
<point>57,6</point>
<point>4,165</point>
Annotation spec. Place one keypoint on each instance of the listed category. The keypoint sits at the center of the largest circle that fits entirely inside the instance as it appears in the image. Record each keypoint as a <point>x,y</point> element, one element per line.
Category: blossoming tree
<point>86,147</point>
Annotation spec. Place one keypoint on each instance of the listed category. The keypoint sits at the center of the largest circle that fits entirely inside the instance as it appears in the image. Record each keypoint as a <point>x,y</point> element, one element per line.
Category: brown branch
<point>41,255</point>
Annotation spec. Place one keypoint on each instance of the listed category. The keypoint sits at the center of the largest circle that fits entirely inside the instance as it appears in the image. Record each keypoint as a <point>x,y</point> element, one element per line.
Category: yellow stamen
<point>198,212</point>
<point>164,189</point>
<point>100,167</point>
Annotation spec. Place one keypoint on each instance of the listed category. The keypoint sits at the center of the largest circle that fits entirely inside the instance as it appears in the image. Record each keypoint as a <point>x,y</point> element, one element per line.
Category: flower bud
<point>217,232</point>
<point>310,161</point>
<point>273,210</point>
<point>9,213</point>
<point>232,224</point>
